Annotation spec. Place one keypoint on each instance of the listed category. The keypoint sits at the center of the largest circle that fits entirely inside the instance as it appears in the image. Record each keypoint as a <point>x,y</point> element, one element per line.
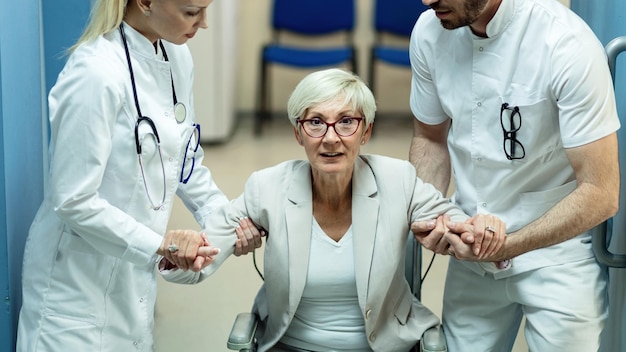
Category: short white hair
<point>325,86</point>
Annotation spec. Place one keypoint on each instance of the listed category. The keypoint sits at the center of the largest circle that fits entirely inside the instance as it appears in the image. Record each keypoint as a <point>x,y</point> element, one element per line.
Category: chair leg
<point>353,61</point>
<point>372,76</point>
<point>371,73</point>
<point>262,97</point>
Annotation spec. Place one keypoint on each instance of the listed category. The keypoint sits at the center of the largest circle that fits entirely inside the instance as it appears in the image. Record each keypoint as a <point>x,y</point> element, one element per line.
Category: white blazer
<point>387,197</point>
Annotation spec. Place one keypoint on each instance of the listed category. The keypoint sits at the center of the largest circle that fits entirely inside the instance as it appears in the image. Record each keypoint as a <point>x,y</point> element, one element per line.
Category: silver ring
<point>490,229</point>
<point>172,248</point>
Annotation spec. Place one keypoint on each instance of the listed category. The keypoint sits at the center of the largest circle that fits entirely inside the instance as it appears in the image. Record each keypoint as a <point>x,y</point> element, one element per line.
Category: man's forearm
<point>575,214</point>
<point>432,163</point>
<point>595,199</point>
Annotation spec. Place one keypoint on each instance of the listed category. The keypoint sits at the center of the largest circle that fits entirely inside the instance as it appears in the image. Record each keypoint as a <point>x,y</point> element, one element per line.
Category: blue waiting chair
<point>309,19</point>
<point>394,18</point>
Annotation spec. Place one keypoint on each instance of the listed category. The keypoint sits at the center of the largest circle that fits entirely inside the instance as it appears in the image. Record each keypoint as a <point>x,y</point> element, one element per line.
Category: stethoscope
<point>180,114</point>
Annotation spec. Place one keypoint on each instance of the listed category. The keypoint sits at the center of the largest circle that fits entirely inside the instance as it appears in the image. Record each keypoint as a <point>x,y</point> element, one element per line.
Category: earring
<point>148,13</point>
<point>362,141</point>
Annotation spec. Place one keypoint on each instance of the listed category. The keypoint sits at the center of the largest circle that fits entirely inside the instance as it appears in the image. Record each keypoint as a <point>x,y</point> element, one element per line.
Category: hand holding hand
<point>491,237</point>
<point>489,233</point>
<point>206,256</point>
<point>430,234</point>
<point>458,248</point>
<point>180,247</point>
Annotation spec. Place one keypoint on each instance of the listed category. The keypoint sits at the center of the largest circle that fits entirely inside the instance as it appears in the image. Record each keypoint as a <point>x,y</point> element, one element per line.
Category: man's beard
<point>471,11</point>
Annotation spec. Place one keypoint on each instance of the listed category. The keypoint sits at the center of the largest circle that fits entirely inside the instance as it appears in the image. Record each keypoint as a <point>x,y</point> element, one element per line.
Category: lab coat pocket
<point>79,279</point>
<point>63,334</point>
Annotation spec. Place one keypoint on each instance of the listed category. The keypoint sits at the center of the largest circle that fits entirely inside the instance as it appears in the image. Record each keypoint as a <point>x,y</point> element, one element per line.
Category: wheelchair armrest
<point>242,334</point>
<point>433,340</point>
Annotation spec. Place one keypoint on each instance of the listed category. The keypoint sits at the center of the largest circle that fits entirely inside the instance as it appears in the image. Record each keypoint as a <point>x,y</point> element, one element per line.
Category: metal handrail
<point>600,245</point>
<point>602,232</point>
<point>614,48</point>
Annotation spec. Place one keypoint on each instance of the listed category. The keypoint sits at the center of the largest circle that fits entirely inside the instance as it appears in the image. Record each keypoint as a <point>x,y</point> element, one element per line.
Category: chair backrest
<point>313,17</point>
<point>397,16</point>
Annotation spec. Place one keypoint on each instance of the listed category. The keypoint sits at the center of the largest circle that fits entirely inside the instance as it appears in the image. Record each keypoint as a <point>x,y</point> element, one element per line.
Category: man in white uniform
<point>516,96</point>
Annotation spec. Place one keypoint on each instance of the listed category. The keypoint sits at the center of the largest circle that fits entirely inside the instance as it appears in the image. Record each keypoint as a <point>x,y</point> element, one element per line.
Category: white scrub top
<point>541,58</point>
<point>89,279</point>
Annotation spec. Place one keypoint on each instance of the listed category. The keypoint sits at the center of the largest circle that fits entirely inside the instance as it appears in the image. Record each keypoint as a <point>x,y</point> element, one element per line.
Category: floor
<point>199,318</point>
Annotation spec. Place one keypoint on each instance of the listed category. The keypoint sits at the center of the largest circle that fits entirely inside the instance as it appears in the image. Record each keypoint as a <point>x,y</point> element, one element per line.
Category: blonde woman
<point>123,109</point>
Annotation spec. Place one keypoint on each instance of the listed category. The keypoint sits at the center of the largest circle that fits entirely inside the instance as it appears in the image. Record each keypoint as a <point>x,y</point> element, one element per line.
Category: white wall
<point>213,51</point>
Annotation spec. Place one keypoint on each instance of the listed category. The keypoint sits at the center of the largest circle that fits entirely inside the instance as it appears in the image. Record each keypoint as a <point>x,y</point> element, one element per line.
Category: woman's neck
<point>332,192</point>
<point>135,18</point>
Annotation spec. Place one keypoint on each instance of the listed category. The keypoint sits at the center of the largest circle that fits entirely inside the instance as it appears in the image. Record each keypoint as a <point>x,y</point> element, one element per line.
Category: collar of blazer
<point>363,181</point>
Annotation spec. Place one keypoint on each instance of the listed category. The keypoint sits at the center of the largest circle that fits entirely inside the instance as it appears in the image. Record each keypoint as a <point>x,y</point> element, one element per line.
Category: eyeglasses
<point>317,128</point>
<point>152,134</point>
<point>510,116</point>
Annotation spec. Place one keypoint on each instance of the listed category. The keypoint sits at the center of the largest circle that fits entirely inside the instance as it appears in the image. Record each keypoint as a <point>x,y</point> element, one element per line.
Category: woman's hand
<point>180,247</point>
<point>433,234</point>
<point>206,256</point>
<point>489,234</point>
<point>430,234</point>
<point>248,237</point>
<point>488,230</point>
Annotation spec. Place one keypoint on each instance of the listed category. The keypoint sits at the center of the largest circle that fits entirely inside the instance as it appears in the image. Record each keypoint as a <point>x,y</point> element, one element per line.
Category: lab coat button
<point>479,104</point>
<point>372,337</point>
<point>171,159</point>
<point>367,313</point>
<point>480,48</point>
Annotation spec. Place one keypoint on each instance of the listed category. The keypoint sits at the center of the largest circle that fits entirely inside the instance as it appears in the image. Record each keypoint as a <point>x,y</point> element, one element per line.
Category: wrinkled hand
<point>248,237</point>
<point>488,231</point>
<point>184,246</point>
<point>206,256</point>
<point>432,234</point>
<point>458,248</point>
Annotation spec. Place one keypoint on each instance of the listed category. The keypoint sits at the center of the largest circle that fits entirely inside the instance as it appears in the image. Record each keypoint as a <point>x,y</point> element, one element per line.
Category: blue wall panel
<point>607,18</point>
<point>24,83</point>
<point>61,32</point>
<point>21,168</point>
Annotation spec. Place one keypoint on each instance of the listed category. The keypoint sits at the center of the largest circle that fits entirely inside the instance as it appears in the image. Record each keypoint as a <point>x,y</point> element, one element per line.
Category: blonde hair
<point>106,15</point>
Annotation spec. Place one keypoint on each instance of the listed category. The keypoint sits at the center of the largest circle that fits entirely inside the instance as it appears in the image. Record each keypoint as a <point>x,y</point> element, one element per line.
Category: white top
<point>328,316</point>
<point>90,255</point>
<point>542,58</point>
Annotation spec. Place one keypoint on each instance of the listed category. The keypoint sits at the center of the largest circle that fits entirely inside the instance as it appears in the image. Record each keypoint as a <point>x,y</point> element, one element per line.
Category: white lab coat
<point>89,279</point>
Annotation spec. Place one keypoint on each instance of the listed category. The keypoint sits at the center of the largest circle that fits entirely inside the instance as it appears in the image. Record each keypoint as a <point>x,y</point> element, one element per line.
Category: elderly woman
<point>338,223</point>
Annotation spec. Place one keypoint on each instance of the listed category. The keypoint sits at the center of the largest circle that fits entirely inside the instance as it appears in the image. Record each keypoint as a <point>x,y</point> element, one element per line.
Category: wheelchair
<point>242,334</point>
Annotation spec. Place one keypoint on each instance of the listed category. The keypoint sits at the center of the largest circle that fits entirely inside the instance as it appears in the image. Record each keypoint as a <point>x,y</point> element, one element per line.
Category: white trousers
<point>565,308</point>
